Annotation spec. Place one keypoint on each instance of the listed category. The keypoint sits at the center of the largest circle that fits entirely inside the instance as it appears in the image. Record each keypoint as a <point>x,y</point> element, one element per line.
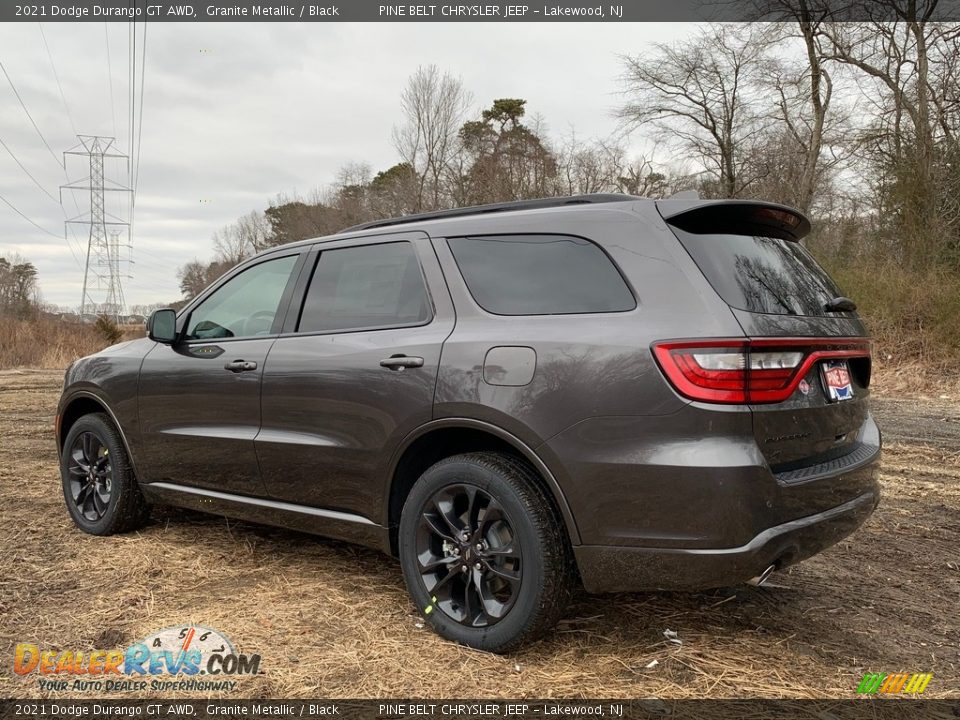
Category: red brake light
<point>783,217</point>
<point>747,371</point>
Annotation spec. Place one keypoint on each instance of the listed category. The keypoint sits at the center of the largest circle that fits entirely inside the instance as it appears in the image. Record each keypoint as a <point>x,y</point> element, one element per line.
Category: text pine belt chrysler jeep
<point>609,390</point>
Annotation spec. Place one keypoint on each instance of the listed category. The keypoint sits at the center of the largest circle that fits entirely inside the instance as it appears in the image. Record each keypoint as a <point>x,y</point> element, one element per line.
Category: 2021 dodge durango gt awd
<point>626,393</point>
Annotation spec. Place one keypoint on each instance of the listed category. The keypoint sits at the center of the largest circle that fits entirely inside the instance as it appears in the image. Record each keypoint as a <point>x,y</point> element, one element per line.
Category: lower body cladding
<point>658,513</point>
<point>328,523</point>
<point>617,569</point>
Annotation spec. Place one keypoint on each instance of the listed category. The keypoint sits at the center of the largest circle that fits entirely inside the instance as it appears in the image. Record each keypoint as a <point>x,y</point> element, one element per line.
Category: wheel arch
<point>84,403</point>
<point>439,439</point>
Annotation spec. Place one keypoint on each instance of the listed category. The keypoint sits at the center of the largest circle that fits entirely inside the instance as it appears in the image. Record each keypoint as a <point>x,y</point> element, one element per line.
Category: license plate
<point>836,380</point>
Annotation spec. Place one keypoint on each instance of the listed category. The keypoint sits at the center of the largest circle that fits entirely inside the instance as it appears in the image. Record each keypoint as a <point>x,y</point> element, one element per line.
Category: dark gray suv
<point>627,393</point>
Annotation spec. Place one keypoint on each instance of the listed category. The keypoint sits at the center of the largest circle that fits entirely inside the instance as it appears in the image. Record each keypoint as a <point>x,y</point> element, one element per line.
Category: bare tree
<point>896,56</point>
<point>433,105</point>
<point>254,230</point>
<point>606,166</point>
<point>248,235</point>
<point>808,127</point>
<point>587,167</point>
<point>804,96</point>
<point>698,97</point>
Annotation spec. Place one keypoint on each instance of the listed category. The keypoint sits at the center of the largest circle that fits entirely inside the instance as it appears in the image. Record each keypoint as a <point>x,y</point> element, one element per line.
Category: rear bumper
<point>618,569</point>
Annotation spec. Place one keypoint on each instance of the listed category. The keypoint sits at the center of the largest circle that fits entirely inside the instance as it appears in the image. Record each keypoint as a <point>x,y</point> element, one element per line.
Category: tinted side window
<point>365,287</point>
<point>245,305</point>
<point>540,275</point>
<point>761,274</point>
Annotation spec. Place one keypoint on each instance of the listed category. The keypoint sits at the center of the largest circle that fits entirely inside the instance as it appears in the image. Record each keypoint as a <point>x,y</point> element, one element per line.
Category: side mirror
<point>162,326</point>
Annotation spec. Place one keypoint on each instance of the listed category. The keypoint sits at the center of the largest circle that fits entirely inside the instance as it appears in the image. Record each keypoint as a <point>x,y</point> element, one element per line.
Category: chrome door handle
<point>399,362</point>
<point>240,366</point>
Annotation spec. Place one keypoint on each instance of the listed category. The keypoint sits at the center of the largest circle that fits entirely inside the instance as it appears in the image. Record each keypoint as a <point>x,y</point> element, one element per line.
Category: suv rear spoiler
<point>735,217</point>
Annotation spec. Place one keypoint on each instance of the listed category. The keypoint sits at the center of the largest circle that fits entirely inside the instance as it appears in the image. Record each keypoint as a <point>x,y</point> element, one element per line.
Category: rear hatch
<point>807,361</point>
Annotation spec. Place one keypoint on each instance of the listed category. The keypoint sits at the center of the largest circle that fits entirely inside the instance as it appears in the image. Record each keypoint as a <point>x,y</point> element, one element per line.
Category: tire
<point>109,497</point>
<point>516,587</point>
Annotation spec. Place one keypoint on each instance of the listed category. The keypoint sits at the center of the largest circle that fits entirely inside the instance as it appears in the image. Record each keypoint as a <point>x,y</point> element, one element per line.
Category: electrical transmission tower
<point>103,252</point>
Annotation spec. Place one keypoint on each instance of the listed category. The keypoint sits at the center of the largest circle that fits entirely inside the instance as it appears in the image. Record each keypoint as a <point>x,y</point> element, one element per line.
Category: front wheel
<point>484,553</point>
<point>99,486</point>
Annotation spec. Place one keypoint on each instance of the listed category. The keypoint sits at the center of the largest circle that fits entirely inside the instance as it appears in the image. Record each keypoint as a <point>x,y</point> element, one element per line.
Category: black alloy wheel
<point>484,551</point>
<point>91,476</point>
<point>469,560</point>
<point>99,486</point>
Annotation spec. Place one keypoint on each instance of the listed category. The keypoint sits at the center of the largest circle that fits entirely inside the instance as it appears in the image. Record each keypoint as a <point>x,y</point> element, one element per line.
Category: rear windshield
<point>761,274</point>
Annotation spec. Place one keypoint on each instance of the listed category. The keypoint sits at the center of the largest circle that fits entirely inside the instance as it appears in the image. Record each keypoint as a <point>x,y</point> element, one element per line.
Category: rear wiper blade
<point>840,304</point>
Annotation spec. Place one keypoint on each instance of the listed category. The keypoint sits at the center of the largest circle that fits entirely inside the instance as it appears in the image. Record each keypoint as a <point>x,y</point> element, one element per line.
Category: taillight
<point>758,370</point>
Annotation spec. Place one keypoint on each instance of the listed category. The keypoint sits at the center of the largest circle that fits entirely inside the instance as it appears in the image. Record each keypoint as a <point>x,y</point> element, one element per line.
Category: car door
<point>199,399</point>
<point>355,373</point>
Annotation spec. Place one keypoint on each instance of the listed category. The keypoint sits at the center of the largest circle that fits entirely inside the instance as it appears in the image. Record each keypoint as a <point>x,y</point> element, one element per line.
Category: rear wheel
<point>484,553</point>
<point>99,486</point>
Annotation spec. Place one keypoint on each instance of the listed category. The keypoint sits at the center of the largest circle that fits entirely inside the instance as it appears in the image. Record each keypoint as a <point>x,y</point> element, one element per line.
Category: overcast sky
<point>235,113</point>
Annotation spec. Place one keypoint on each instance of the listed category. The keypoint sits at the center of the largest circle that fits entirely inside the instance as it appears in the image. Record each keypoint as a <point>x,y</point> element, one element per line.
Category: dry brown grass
<point>47,342</point>
<point>912,314</point>
<point>334,620</point>
<point>914,379</point>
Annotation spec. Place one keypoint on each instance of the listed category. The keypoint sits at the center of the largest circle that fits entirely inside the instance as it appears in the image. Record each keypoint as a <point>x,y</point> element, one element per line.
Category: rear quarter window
<point>540,275</point>
<point>761,274</point>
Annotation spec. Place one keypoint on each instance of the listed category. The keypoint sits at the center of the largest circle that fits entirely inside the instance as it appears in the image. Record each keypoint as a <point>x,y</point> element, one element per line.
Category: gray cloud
<point>236,113</point>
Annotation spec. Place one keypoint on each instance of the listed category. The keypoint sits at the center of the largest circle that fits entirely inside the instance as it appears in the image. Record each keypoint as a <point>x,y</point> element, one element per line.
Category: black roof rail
<point>495,208</point>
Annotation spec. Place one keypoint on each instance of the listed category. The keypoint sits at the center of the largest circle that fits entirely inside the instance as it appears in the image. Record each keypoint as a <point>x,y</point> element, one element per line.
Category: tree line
<point>854,123</point>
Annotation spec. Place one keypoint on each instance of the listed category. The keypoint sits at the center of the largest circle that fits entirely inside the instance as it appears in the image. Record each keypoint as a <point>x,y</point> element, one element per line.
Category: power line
<point>136,121</point>
<point>29,175</point>
<point>131,86</point>
<point>66,109</point>
<point>113,109</point>
<point>32,122</point>
<point>143,73</point>
<point>39,227</point>
<point>76,259</point>
<point>47,193</point>
<point>131,108</point>
<point>73,127</point>
<point>57,78</point>
<point>154,255</point>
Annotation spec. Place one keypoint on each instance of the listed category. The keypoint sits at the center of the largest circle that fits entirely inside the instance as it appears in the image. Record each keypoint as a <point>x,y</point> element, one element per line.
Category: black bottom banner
<point>204,709</point>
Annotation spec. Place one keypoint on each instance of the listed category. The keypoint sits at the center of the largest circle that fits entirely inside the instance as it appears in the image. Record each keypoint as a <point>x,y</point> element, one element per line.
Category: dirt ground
<point>332,620</point>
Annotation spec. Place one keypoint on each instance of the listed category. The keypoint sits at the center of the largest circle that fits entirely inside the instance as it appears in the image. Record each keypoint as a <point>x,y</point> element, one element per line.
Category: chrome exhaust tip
<point>762,577</point>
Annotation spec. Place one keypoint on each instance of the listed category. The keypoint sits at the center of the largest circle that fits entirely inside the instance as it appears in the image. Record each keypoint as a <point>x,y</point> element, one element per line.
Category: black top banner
<point>483,11</point>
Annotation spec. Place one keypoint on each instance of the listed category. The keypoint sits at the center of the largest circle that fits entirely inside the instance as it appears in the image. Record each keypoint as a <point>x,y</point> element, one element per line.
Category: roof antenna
<point>685,195</point>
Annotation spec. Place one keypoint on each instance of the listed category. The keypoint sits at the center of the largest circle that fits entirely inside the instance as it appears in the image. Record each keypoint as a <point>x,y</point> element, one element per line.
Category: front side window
<point>245,305</point>
<point>366,287</point>
<point>540,275</point>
